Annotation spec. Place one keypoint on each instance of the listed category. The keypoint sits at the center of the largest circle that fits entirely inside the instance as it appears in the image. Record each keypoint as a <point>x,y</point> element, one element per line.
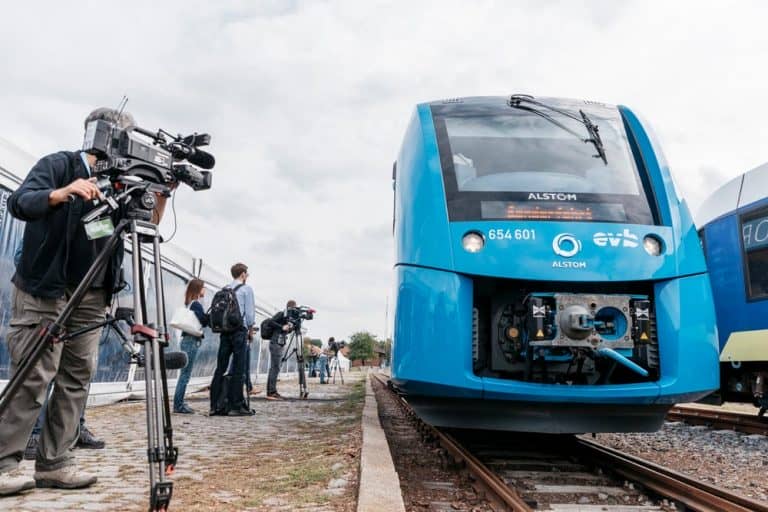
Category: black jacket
<point>50,231</point>
<point>277,321</point>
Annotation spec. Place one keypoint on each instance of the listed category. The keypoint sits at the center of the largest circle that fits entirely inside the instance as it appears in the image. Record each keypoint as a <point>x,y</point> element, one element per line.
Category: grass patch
<point>294,470</point>
<point>308,474</point>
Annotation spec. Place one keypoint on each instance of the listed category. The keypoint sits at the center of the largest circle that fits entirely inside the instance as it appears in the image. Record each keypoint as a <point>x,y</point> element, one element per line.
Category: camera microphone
<point>195,156</point>
<point>175,360</point>
<point>202,159</point>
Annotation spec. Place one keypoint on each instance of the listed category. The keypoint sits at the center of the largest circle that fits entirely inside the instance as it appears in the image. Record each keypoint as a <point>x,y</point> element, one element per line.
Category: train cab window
<point>504,163</point>
<point>754,231</point>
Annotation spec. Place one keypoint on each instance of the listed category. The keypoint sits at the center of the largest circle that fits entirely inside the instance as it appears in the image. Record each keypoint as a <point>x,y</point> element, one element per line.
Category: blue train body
<point>529,296</point>
<point>734,231</point>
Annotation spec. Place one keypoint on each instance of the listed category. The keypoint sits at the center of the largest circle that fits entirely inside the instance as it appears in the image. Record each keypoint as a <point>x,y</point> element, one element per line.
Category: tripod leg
<point>160,489</point>
<point>171,453</point>
<point>303,392</point>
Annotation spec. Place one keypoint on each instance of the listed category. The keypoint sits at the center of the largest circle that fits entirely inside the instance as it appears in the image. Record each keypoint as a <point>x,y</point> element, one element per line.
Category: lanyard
<point>85,162</point>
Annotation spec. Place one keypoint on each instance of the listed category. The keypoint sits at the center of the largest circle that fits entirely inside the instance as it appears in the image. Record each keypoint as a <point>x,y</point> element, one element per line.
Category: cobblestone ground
<point>292,455</point>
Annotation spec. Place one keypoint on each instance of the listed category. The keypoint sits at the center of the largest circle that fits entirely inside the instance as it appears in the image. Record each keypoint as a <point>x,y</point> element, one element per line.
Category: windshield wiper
<point>517,100</point>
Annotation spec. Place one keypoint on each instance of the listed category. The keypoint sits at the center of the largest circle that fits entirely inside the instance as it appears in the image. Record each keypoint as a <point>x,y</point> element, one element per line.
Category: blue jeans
<point>189,344</point>
<point>322,362</point>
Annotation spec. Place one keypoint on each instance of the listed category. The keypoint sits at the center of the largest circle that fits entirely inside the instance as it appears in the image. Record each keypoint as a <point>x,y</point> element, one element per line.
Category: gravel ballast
<point>728,459</point>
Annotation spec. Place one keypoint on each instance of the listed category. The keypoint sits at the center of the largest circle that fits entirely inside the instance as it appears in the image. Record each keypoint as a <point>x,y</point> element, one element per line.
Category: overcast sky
<point>307,103</point>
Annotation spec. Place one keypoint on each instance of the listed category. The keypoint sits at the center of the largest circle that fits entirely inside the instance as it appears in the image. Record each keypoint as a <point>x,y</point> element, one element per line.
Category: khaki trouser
<point>69,364</point>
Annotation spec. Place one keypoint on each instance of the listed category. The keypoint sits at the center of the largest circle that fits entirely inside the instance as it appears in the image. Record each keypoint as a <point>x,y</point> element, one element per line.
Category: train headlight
<point>473,242</point>
<point>652,245</point>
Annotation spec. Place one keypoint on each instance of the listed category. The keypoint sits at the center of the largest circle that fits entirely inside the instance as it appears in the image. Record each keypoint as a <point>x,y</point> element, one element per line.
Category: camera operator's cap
<point>121,119</point>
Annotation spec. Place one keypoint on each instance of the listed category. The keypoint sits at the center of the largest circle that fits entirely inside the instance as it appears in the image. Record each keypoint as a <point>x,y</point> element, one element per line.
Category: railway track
<point>724,420</point>
<point>523,472</point>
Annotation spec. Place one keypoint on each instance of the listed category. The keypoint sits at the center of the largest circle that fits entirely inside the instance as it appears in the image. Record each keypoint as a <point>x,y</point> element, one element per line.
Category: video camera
<point>299,313</point>
<point>335,346</point>
<point>153,156</point>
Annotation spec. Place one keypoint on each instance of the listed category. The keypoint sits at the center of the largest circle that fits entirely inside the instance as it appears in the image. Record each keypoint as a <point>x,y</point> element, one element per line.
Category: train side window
<point>754,232</point>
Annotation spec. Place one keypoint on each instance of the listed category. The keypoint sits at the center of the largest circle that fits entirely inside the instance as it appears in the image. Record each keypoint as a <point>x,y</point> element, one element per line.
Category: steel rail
<point>739,422</point>
<point>694,494</point>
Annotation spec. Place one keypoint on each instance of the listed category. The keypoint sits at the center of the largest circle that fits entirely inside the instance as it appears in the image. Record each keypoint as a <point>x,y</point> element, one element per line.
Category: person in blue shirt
<point>190,343</point>
<point>234,344</point>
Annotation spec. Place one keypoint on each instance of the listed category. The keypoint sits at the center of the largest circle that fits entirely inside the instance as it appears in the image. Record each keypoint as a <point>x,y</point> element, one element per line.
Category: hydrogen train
<point>734,233</point>
<point>115,377</point>
<point>548,276</point>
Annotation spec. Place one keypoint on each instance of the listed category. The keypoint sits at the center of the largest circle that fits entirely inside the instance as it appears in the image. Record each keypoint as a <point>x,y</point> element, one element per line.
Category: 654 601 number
<point>511,234</point>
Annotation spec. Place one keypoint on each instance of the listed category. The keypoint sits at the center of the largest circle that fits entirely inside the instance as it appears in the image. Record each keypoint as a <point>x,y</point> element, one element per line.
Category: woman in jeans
<point>190,343</point>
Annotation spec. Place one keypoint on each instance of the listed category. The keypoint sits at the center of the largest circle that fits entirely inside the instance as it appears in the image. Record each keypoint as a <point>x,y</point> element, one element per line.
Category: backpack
<point>267,328</point>
<point>225,311</point>
<point>221,403</point>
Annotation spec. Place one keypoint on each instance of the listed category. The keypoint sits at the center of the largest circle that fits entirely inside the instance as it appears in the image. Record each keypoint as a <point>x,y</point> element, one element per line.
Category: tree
<point>361,346</point>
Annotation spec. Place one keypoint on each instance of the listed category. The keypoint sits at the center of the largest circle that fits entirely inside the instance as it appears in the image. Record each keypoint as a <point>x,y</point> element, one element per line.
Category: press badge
<point>99,228</point>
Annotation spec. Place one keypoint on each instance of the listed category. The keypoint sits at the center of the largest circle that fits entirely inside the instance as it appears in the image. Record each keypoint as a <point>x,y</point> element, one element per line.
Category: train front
<point>548,277</point>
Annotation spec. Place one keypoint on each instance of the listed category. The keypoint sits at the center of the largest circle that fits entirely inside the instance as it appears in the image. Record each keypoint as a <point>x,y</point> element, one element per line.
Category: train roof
<point>744,190</point>
<point>14,162</point>
<point>492,101</point>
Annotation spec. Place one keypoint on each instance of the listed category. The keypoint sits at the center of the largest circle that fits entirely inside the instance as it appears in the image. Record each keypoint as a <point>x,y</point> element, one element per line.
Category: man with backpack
<point>232,315</point>
<point>275,329</point>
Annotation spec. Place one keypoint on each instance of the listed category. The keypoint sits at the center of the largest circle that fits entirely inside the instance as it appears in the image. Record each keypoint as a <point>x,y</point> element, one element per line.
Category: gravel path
<point>728,459</point>
<point>296,455</point>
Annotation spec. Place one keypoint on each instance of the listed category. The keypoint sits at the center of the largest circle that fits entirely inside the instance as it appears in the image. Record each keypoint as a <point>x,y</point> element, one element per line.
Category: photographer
<point>55,257</point>
<point>282,326</point>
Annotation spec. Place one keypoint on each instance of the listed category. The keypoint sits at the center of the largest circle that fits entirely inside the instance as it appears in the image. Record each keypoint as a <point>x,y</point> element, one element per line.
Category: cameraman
<point>55,257</point>
<point>282,326</point>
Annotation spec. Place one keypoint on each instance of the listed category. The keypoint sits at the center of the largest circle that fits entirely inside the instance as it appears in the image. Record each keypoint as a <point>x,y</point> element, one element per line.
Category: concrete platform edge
<point>379,482</point>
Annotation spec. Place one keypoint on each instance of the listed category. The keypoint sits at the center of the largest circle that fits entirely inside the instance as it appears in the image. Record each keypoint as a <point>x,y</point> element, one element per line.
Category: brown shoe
<point>254,391</point>
<point>274,396</point>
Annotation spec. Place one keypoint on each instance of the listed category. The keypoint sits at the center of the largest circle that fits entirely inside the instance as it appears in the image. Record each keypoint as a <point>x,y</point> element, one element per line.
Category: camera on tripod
<point>296,315</point>
<point>157,157</point>
<point>335,346</point>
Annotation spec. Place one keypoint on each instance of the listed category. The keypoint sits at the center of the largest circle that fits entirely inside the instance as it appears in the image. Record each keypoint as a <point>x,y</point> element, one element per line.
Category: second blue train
<point>548,276</point>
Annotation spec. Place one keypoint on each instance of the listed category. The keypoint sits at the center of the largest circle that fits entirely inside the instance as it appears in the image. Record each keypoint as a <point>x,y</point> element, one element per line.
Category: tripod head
<point>133,196</point>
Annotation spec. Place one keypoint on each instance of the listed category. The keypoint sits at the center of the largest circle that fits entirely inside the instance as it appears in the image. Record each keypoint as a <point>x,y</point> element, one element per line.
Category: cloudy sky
<point>307,103</point>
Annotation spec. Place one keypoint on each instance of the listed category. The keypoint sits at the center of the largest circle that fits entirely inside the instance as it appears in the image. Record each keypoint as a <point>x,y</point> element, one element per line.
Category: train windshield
<point>504,163</point>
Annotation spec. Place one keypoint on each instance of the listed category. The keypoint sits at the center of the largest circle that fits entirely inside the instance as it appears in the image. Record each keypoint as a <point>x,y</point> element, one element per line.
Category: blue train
<point>734,232</point>
<point>548,276</point>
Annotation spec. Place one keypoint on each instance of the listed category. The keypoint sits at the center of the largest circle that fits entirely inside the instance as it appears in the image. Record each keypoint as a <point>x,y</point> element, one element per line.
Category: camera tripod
<point>294,346</point>
<point>334,367</point>
<point>161,453</point>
